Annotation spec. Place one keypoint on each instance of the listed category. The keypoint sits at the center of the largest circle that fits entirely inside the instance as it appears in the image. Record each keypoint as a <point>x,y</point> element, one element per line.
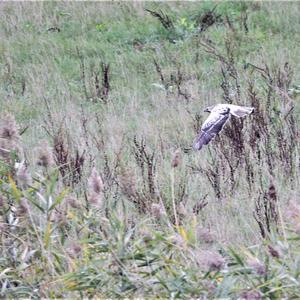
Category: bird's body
<point>219,115</point>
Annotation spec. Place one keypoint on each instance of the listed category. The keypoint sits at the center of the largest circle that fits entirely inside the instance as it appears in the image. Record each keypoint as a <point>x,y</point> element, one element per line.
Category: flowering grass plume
<point>9,137</point>
<point>176,159</point>
<point>204,235</point>
<point>44,155</point>
<point>157,210</point>
<point>95,188</point>
<point>210,260</point>
<point>256,265</point>
<point>23,176</point>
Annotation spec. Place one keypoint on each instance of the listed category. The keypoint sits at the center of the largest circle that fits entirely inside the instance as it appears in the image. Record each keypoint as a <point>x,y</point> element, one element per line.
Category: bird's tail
<point>197,145</point>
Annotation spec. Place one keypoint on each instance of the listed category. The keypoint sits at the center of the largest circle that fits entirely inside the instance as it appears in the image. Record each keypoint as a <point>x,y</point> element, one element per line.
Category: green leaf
<point>59,199</point>
<point>237,257</point>
<point>15,191</point>
<point>47,235</point>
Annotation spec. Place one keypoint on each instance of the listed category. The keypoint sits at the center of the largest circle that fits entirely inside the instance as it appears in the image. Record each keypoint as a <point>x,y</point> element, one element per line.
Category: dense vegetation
<point>101,194</point>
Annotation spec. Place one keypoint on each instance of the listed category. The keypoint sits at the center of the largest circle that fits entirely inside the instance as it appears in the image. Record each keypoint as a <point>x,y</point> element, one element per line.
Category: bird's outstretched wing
<point>211,127</point>
<point>240,111</point>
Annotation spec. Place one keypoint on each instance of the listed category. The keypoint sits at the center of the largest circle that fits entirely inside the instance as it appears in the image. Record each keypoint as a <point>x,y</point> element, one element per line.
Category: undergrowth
<point>101,194</point>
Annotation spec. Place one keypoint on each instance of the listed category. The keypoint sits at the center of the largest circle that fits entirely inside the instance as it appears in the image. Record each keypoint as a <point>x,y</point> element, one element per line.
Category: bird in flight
<point>219,115</point>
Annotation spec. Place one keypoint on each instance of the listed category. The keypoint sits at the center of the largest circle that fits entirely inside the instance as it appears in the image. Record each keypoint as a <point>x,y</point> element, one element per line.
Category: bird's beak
<point>209,109</point>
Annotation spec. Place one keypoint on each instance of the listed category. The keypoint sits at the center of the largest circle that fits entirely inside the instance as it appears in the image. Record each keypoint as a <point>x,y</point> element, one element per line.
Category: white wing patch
<point>240,111</point>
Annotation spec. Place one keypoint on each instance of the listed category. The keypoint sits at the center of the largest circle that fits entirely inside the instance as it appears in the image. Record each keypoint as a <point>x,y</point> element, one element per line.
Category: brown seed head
<point>8,128</point>
<point>251,295</point>
<point>204,235</point>
<point>72,201</point>
<point>95,182</point>
<point>146,235</point>
<point>74,250</point>
<point>211,260</point>
<point>176,160</point>
<point>255,264</point>
<point>9,137</point>
<point>178,240</point>
<point>59,217</point>
<point>23,175</point>
<point>128,184</point>
<point>293,215</point>
<point>95,199</point>
<point>272,191</point>
<point>157,210</point>
<point>274,252</point>
<point>95,185</point>
<point>23,207</point>
<point>44,155</point>
<point>181,209</point>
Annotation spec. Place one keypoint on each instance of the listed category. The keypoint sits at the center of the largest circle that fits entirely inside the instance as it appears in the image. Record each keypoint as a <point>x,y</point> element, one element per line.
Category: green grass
<point>51,56</point>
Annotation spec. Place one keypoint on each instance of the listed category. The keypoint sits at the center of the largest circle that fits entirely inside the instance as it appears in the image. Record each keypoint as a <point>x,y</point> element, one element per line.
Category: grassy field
<point>101,194</point>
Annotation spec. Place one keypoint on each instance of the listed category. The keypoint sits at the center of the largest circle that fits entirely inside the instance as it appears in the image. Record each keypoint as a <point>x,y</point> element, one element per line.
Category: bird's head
<point>209,109</point>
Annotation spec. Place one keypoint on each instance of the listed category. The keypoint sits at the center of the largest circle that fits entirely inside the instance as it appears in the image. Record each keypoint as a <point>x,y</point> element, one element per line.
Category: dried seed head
<point>255,264</point>
<point>5,149</point>
<point>59,217</point>
<point>9,137</point>
<point>72,201</point>
<point>95,185</point>
<point>127,184</point>
<point>95,199</point>
<point>176,160</point>
<point>95,182</point>
<point>8,128</point>
<point>44,155</point>
<point>204,235</point>
<point>274,251</point>
<point>272,191</point>
<point>74,250</point>
<point>23,207</point>
<point>178,240</point>
<point>146,235</point>
<point>23,175</point>
<point>251,295</point>
<point>293,214</point>
<point>181,210</point>
<point>211,260</point>
<point>157,210</point>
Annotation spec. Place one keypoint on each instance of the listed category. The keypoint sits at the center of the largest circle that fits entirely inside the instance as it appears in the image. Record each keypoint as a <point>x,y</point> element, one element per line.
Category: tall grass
<point>100,192</point>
